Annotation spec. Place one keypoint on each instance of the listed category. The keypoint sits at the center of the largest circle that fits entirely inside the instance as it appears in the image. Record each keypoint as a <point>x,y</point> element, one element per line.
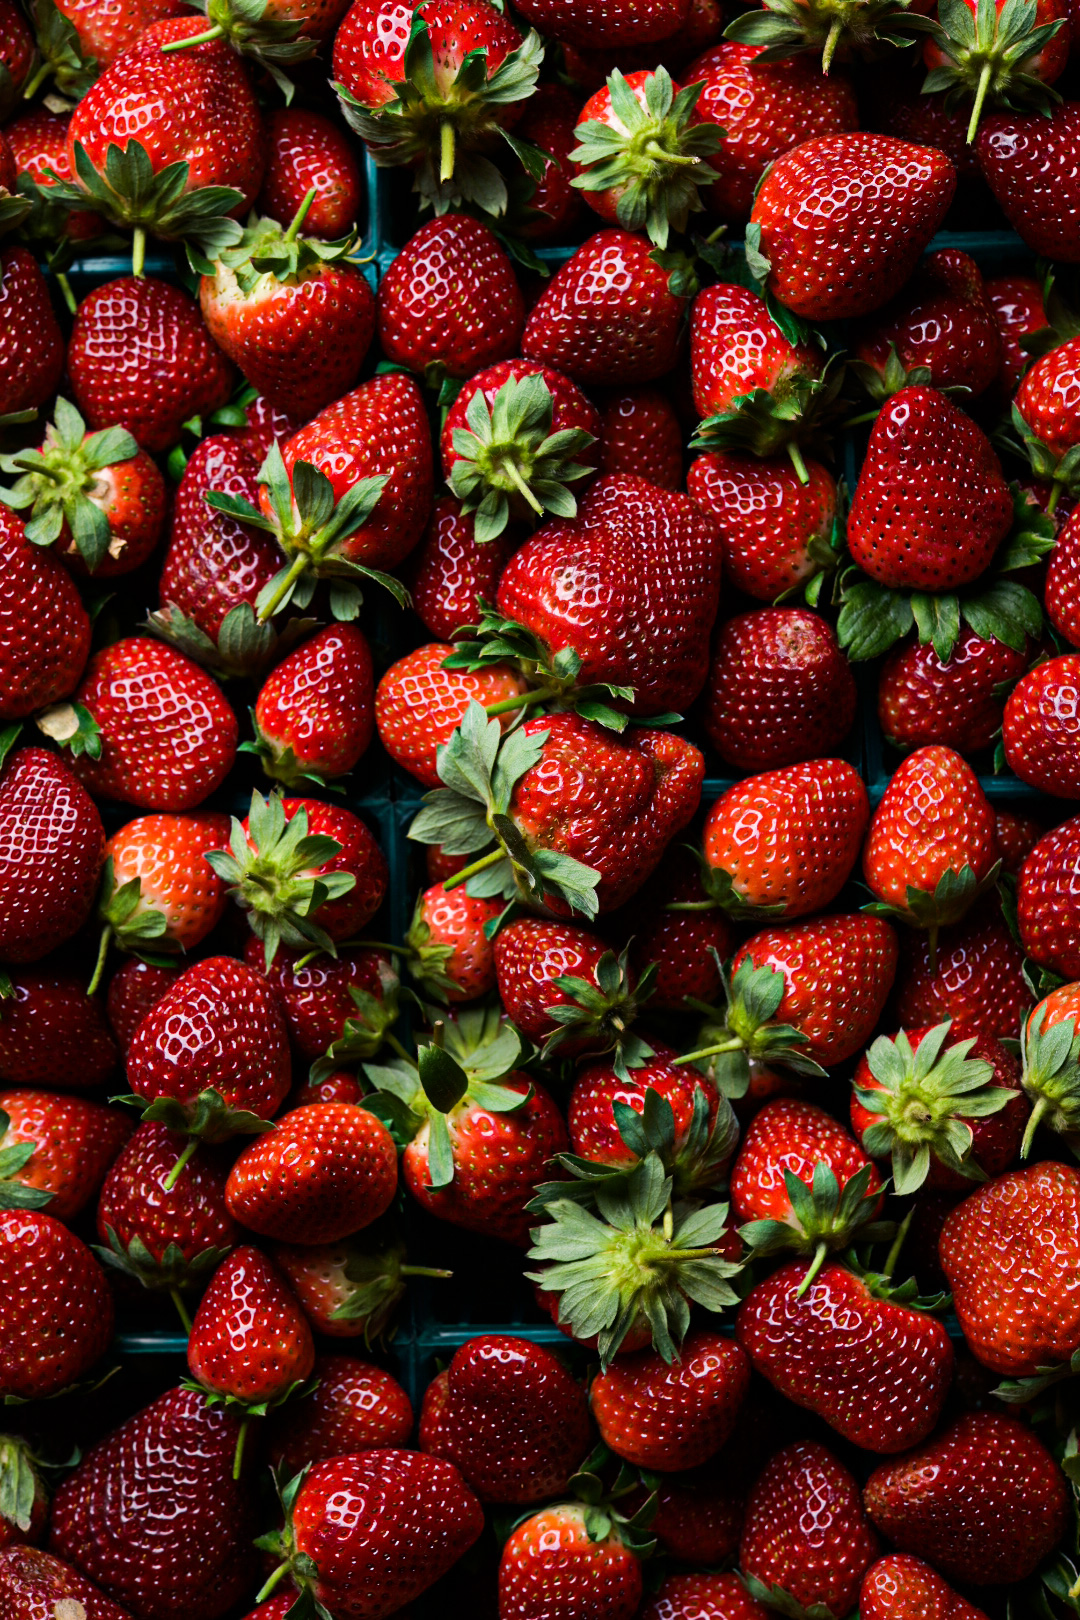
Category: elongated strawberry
<point>53,1336</point>
<point>777,527</point>
<point>160,892</point>
<point>72,1142</point>
<point>54,846</point>
<point>1047,878</point>
<point>315,714</point>
<point>420,703</point>
<point>53,1034</point>
<point>355,1406</point>
<point>305,149</point>
<point>45,628</point>
<point>451,572</point>
<point>31,345</point>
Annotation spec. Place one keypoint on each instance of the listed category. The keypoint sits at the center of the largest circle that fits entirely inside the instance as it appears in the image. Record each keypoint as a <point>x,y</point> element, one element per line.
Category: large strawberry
<point>570,1560</point>
<point>304,149</point>
<point>44,628</point>
<point>1025,159</point>
<point>669,1417</point>
<point>54,1335</point>
<point>36,1586</point>
<point>53,1034</point>
<point>31,343</point>
<point>53,847</point>
<point>355,1406</point>
<point>315,713</point>
<point>777,528</point>
<point>66,1145</point>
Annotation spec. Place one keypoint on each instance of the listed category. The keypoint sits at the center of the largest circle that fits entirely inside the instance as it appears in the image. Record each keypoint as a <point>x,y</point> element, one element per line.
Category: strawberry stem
<point>422,1271</point>
<point>734,1045</point>
<point>520,700</point>
<point>36,80</point>
<point>513,472</point>
<point>815,1266</point>
<point>476,866</point>
<point>691,905</point>
<point>300,215</point>
<point>194,39</point>
<point>980,97</point>
<point>446,150</point>
<point>238,1454</point>
<point>1055,494</point>
<point>395,1046</point>
<point>831,43</point>
<point>99,965</point>
<point>181,1309</point>
<point>797,462</point>
<point>898,1244</point>
<point>177,1170</point>
<point>297,567</point>
<point>138,252</point>
<point>282,1570</point>
<point>65,288</point>
<point>1038,1113</point>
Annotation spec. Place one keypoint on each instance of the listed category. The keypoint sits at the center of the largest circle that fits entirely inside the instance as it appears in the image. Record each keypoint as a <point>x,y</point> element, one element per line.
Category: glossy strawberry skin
<point>942,320</point>
<point>354,1407</point>
<point>44,628</point>
<point>844,218</point>
<point>38,141</point>
<point>556,209</point>
<point>53,847</point>
<point>553,1552</point>
<point>1041,729</point>
<point>590,1116</point>
<point>933,818</point>
<point>1026,159</point>
<point>984,1501</point>
<point>249,1341</point>
<point>166,856</point>
<point>1045,398</point>
<point>637,570</point>
<point>75,1140</point>
<point>304,149</point>
<point>790,1136</point>
<point>770,523</point>
<point>419,704</point>
<point>702,1597</point>
<point>320,702</point>
<point>35,1586</point>
<point>52,1335</point>
<point>106,34</point>
<point>136,1206</point>
<point>1063,583</point>
<point>640,433</point>
<point>154,1516</point>
<point>899,1585</point>
<point>924,699</point>
<point>509,1417</point>
<point>736,347</point>
<point>140,358</point>
<point>607,22</point>
<point>324,1172</point>
<point>1046,900</point>
<point>1017,303</point>
<point>315,998</point>
<point>457,920</point>
<point>451,570</point>
<point>53,1034</point>
<point>670,1417</point>
<point>31,344</point>
<point>134,988</point>
<point>977,978</point>
<point>530,953</point>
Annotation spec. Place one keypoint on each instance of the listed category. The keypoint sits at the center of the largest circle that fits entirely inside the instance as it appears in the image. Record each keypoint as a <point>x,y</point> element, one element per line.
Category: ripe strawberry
<point>984,1501</point>
<point>53,1034</point>
<point>665,1417</point>
<point>37,1586</point>
<point>1025,159</point>
<point>54,846</point>
<point>106,32</point>
<point>702,1597</point>
<point>1041,727</point>
<point>641,434</point>
<point>315,714</point>
<point>899,1586</point>
<point>806,1532</point>
<point>159,891</point>
<point>943,321</point>
<point>977,978</point>
<point>31,343</point>
<point>1063,582</point>
<point>352,1289</point>
<point>44,628</point>
<point>38,141</point>
<point>784,843</point>
<point>134,988</point>
<point>354,1407</point>
<point>304,149</point>
<point>450,572</point>
<point>450,304</point>
<point>562,985</point>
<point>346,1001</point>
<point>73,1142</point>
<point>612,22</point>
<point>154,1507</point>
<point>16,54</point>
<point>419,704</point>
<point>324,1172</point>
<point>1017,303</point>
<point>699,1515</point>
<point>779,691</point>
<point>681,942</point>
<point>661,557</point>
<point>568,1559</point>
<point>450,954</point>
<point>53,1335</point>
<point>141,359</point>
<point>1016,838</point>
<point>777,531</point>
<point>841,221</point>
<point>610,316</point>
<point>955,701</point>
<point>509,1417</point>
<point>24,1514</point>
<point>1045,900</point>
<point>852,1349</point>
<point>554,211</point>
<point>900,107</point>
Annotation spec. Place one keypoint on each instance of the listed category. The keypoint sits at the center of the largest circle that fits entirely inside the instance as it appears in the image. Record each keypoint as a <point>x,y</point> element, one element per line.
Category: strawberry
<point>24,1513</point>
<point>419,704</point>
<point>955,701</point>
<point>610,316</point>
<point>612,22</point>
<point>154,1507</point>
<point>106,32</point>
<point>999,1526</point>
<point>168,737</point>
<point>345,1002</point>
<point>450,304</point>
<point>263,423</point>
<point>1044,421</point>
<point>315,715</point>
<point>450,954</point>
<point>779,691</point>
<point>784,843</point>
<point>838,223</point>
<point>899,106</point>
<point>764,108</point>
<point>1025,159</point>
<point>1062,582</point>
<point>45,628</point>
<point>73,1142</point>
<point>946,1104</point>
<point>942,322</point>
<point>36,1586</point>
<point>165,1237</point>
<point>134,988</point>
<point>451,572</point>
<point>54,847</point>
<point>38,141</point>
<point>554,211</point>
<point>658,1416</point>
<point>53,1034</point>
<point>1017,303</point>
<point>852,1349</point>
<point>159,892</point>
<point>141,359</point>
<point>702,1597</point>
<point>352,1289</point>
<point>354,1406</point>
<point>16,55</point>
<point>509,1417</point>
<point>777,530</point>
<point>931,850</point>
<point>1016,838</point>
<point>31,346</point>
<point>899,1586</point>
<point>282,33</point>
<point>699,1515</point>
<point>304,149</point>
<point>670,923</point>
<point>805,1532</point>
<point>1041,726</point>
<point>566,1559</point>
<point>421,97</point>
<point>641,434</point>
<point>1045,900</point>
<point>977,978</point>
<point>52,1335</point>
<point>1009,61</point>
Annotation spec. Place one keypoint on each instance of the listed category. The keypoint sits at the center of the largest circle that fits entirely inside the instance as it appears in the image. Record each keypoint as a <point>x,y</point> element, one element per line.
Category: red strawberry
<point>419,704</point>
<point>956,701</point>
<point>509,1417</point>
<point>900,107</point>
<point>842,220</point>
<point>134,988</point>
<point>943,321</point>
<point>450,305</point>
<point>554,211</point>
<point>304,149</point>
<point>450,571</point>
<point>154,1507</point>
<point>25,1512</point>
<point>852,1350</point>
<point>784,843</point>
<point>323,1172</point>
<point>641,434</point>
<point>806,1532</point>
<point>984,1501</point>
<point>610,22</point>
<point>160,892</point>
<point>105,33</point>
<point>73,1142</point>
<point>44,628</point>
<point>1016,838</point>
<point>31,343</point>
<point>16,54</point>
<point>354,1407</point>
<point>1045,900</point>
<point>52,1335</point>
<point>702,1597</point>
<point>699,1515</point>
<point>451,955</point>
<point>36,1586</point>
<point>352,1289</point>
<point>53,847</point>
<point>977,978</point>
<point>668,1417</point>
<point>263,424</point>
<point>1042,725</point>
<point>314,716</point>
<point>38,141</point>
<point>777,531</point>
<point>140,358</point>
<point>898,1587</point>
<point>1063,582</point>
<point>53,1034</point>
<point>610,316</point>
<point>356,988</point>
<point>1017,303</point>
<point>681,942</point>
<point>1026,160</point>
<point>535,959</point>
<point>568,1561</point>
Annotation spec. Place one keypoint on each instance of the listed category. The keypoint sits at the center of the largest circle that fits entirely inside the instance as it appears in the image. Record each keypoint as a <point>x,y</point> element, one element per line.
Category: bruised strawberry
<point>37,1585</point>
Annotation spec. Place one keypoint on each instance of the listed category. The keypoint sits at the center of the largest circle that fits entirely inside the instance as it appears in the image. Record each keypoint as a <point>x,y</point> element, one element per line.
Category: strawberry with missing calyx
<point>52,1336</point>
<point>898,1586</point>
<point>53,847</point>
<point>686,1597</point>
<point>315,714</point>
<point>53,1034</point>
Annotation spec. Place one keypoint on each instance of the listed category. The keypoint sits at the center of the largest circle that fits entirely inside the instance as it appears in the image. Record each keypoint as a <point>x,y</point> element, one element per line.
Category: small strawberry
<point>670,923</point>
<point>451,572</point>
<point>999,1526</point>
<point>342,1004</point>
<point>1019,309</point>
<point>315,714</point>
<point>72,1143</point>
<point>419,704</point>
<point>1049,1047</point>
<point>304,149</point>
<point>1025,159</point>
<point>702,1597</point>
<point>134,988</point>
<point>777,529</point>
<point>352,1289</point>
<point>54,1335</point>
<point>31,343</point>
<point>976,979</point>
<point>956,701</point>
<point>569,1560</point>
<point>641,434</point>
<point>44,627</point>
<point>899,1586</point>
<point>1045,900</point>
<point>942,323</point>
<point>53,847</point>
<point>1016,838</point>
<point>159,892</point>
<point>668,1417</point>
<point>354,1406</point>
<point>1041,727</point>
<point>36,1585</point>
<point>53,1034</point>
<point>450,954</point>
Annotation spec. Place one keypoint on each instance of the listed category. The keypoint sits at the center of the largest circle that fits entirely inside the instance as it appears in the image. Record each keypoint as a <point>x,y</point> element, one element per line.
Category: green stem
<point>138,252</point>
<point>282,1570</point>
<point>194,39</point>
<point>866,416</point>
<point>36,80</point>
<point>521,700</point>
<point>660,154</point>
<point>458,878</point>
<point>446,151</point>
<point>734,1045</point>
<point>796,458</point>
<point>395,1046</point>
<point>181,1309</point>
<point>102,956</point>
<point>1038,1114</point>
<point>980,97</point>
<point>297,567</point>
<point>820,1256</point>
<point>300,215</point>
<point>1055,496</point>
<point>177,1170</point>
<point>691,905</point>
<point>831,43</point>
<point>898,1243</point>
<point>66,292</point>
<point>513,472</point>
<point>238,1454</point>
<point>422,1271</point>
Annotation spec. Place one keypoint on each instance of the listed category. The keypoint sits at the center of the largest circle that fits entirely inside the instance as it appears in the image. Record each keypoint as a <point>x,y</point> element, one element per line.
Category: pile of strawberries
<point>539,716</point>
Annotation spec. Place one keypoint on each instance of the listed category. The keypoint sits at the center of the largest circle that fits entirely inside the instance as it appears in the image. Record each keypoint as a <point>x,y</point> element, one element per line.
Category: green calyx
<point>650,154</point>
<point>603,1012</point>
<point>174,1271</point>
<point>882,382</point>
<point>469,815</point>
<point>59,54</point>
<point>376,1273</point>
<point>633,1255</point>
<point>835,28</point>
<point>956,892</point>
<point>1051,1078</point>
<point>1022,1391</point>
<point>126,920</point>
<point>695,1165</point>
<point>60,484</point>
<point>252,29</point>
<point>310,529</point>
<point>825,1218</point>
<point>1046,465</point>
<point>428,958</point>
<point>20,1486</point>
<point>268,252</point>
<point>780,1601</point>
<point>600,1490</point>
<point>987,53</point>
<point>440,128</point>
<point>791,417</point>
<point>205,1118</point>
<point>271,873</point>
<point>509,463</point>
<point>15,1194</point>
<point>719,888</point>
<point>244,647</point>
<point>744,1028</point>
<point>245,1410</point>
<point>298,1566</point>
<point>368,1029</point>
<point>922,1103</point>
